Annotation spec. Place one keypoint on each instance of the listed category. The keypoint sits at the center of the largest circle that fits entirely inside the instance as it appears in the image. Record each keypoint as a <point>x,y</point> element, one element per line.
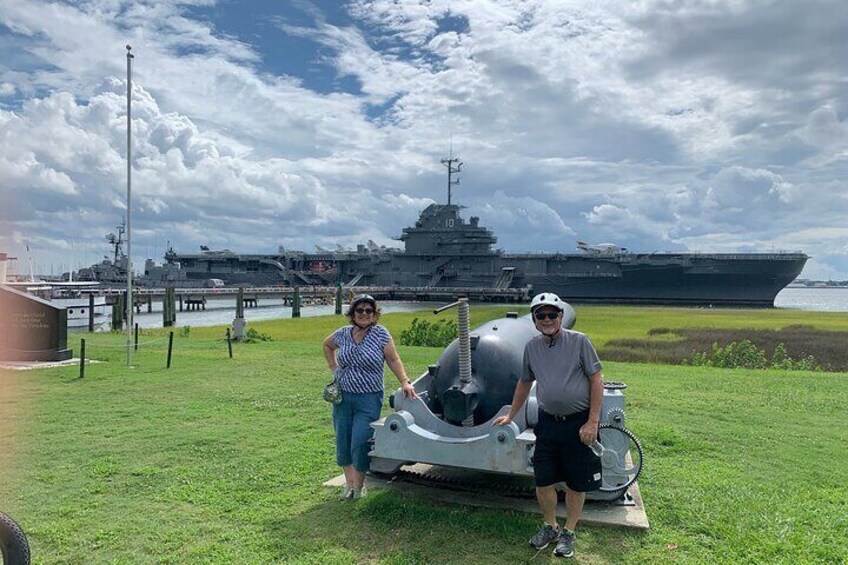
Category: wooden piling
<point>170,348</point>
<point>169,314</point>
<point>338,299</point>
<point>90,312</point>
<point>296,303</point>
<point>82,358</point>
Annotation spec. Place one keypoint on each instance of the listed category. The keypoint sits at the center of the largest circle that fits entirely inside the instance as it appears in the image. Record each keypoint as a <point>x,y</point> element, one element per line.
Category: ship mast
<point>449,163</point>
<point>117,242</point>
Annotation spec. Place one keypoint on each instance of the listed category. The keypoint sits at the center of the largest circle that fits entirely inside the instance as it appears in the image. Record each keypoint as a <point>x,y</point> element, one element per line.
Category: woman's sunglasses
<point>548,315</point>
<point>368,311</point>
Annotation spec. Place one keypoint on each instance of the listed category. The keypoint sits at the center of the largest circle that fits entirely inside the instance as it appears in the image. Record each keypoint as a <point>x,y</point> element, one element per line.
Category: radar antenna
<point>117,242</point>
<point>452,169</point>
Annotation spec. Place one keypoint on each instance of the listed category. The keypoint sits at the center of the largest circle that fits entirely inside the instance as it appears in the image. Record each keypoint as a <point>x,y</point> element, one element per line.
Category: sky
<point>658,125</point>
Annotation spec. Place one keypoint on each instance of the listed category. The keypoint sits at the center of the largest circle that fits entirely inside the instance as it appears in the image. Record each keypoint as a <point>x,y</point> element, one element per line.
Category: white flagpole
<point>129,304</point>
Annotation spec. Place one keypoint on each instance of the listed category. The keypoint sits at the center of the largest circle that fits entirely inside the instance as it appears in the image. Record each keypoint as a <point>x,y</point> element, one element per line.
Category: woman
<point>355,354</point>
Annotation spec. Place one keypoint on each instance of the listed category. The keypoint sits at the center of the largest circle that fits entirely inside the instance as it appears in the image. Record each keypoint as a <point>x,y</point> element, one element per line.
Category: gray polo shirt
<point>561,371</point>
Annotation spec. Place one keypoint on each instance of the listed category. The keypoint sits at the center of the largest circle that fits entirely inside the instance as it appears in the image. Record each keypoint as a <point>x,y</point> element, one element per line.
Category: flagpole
<point>130,301</point>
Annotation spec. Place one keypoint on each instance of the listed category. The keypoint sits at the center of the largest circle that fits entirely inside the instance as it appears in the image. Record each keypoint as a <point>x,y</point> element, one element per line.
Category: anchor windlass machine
<point>449,424</point>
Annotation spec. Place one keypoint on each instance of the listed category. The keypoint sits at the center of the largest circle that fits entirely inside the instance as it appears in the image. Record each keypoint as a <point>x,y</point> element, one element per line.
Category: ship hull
<point>684,279</point>
<point>753,284</point>
<point>442,250</point>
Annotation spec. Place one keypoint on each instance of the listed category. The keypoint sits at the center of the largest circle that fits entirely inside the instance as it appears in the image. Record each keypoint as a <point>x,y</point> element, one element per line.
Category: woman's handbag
<point>333,392</point>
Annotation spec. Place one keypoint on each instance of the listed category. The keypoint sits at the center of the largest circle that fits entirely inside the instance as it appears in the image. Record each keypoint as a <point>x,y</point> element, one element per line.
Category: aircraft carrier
<point>444,250</point>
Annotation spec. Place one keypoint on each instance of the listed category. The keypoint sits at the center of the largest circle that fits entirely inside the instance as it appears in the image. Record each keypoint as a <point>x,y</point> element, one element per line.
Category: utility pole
<point>130,302</point>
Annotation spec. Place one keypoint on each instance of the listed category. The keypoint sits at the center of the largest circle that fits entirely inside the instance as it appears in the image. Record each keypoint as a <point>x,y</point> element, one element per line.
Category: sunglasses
<point>548,315</point>
<point>367,311</point>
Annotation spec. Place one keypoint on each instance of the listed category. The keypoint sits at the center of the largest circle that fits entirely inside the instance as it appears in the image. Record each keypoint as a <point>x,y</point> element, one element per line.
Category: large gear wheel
<point>615,417</point>
<point>621,459</point>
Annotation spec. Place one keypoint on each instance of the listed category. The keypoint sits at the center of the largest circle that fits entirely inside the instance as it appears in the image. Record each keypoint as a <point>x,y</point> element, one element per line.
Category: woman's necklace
<point>359,333</point>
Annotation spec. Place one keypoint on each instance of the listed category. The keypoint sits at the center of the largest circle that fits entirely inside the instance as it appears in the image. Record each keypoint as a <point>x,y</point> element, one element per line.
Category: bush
<point>746,355</point>
<point>781,360</point>
<point>423,333</point>
<point>254,336</point>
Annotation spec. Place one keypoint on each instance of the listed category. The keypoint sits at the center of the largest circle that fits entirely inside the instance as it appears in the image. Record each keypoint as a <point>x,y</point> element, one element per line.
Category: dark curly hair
<point>359,299</point>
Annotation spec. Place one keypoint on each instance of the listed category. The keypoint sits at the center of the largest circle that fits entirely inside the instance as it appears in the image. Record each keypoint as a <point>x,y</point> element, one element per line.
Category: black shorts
<point>561,456</point>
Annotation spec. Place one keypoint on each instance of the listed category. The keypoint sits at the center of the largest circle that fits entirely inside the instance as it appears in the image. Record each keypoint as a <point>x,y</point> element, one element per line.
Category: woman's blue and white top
<point>361,364</point>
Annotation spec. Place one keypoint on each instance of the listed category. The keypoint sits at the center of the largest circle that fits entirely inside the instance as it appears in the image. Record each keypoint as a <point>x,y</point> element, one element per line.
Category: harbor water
<point>828,299</point>
<point>221,311</point>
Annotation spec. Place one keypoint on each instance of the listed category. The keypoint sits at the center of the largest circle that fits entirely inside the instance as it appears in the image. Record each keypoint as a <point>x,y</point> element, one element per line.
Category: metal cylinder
<point>464,342</point>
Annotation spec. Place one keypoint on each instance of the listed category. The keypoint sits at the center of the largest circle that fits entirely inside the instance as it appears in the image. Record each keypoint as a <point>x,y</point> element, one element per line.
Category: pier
<point>195,299</point>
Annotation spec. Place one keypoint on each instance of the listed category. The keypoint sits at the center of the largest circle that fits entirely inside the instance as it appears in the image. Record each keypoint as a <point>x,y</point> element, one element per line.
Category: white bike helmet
<point>547,299</point>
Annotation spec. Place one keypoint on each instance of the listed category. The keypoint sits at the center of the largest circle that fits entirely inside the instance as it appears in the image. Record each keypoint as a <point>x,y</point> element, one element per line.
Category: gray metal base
<point>630,515</point>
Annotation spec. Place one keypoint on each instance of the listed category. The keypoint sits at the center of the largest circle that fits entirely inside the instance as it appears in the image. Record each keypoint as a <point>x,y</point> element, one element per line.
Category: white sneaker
<point>347,492</point>
<point>360,493</point>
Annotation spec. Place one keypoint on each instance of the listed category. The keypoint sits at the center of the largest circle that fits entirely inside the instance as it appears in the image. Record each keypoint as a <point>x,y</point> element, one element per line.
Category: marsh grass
<point>221,460</point>
<point>828,347</point>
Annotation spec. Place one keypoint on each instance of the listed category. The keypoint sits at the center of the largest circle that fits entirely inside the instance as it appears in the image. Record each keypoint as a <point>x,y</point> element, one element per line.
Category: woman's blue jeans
<point>352,421</point>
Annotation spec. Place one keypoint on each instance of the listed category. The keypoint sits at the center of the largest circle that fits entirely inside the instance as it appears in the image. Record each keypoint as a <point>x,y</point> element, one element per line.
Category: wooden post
<point>170,348</point>
<point>82,358</point>
<point>166,318</point>
<point>90,312</point>
<point>169,308</point>
<point>240,303</point>
<point>296,303</point>
<point>135,345</point>
<point>118,312</point>
<point>338,299</point>
<point>229,343</point>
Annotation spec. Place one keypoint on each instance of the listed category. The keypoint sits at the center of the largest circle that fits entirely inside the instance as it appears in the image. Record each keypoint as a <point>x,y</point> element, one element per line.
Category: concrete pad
<point>601,513</point>
<point>29,365</point>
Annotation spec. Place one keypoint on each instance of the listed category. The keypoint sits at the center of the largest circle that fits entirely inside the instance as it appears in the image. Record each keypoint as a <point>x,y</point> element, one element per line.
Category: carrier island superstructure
<point>442,249</point>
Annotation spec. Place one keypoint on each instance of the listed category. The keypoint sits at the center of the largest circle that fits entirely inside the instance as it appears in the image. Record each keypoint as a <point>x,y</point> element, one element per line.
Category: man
<point>569,391</point>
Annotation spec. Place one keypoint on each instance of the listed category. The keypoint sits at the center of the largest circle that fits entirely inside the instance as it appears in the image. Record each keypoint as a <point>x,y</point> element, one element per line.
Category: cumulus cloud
<point>708,125</point>
<point>541,226</point>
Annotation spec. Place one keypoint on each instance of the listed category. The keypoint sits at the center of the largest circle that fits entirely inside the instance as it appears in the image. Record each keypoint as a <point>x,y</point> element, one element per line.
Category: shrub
<point>185,331</point>
<point>424,333</point>
<point>745,354</point>
<point>254,336</point>
<point>739,354</point>
<point>781,360</point>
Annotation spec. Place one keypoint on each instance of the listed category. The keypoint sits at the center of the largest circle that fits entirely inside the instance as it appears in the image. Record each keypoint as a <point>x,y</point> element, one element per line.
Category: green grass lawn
<point>221,461</point>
